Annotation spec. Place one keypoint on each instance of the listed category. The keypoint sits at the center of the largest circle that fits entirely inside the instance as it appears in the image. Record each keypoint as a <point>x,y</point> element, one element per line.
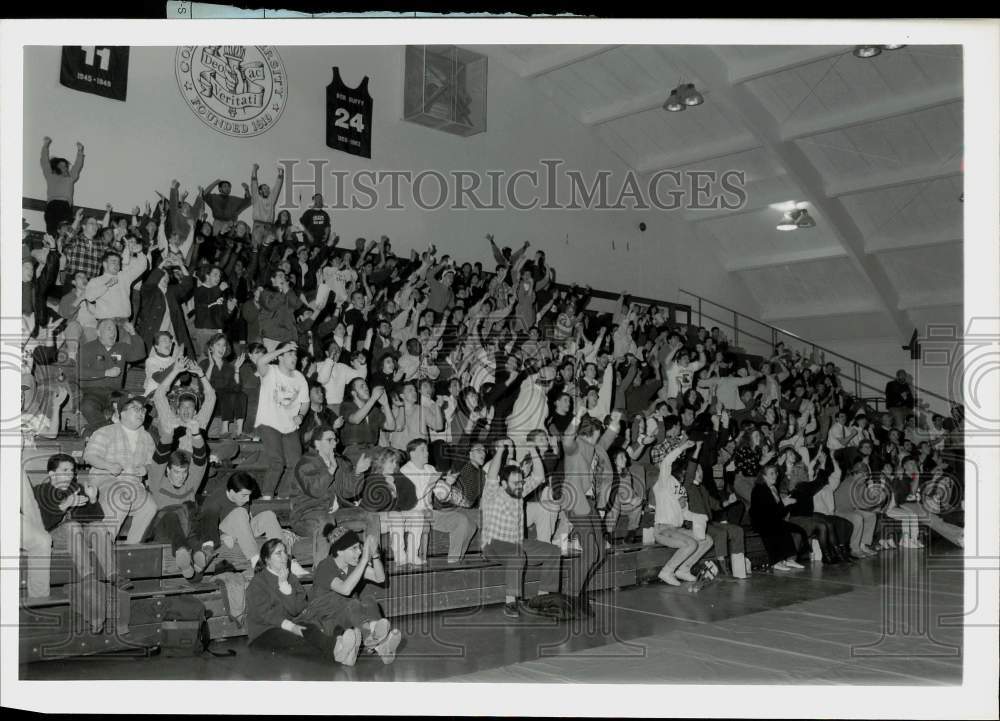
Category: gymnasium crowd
<point>388,396</point>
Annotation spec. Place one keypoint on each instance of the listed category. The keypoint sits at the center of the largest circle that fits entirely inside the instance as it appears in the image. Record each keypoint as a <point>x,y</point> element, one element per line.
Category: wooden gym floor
<point>894,619</point>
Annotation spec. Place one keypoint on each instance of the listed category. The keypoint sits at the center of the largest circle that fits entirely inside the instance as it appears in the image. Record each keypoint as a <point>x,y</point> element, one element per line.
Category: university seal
<point>239,90</point>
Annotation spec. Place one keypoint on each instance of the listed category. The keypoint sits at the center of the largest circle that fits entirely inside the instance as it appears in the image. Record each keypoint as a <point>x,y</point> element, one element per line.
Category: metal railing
<point>760,338</point>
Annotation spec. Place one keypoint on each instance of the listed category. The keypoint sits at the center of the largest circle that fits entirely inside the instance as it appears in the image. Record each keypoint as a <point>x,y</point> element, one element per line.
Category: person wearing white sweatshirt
<point>423,476</point>
<point>110,294</point>
<point>671,512</point>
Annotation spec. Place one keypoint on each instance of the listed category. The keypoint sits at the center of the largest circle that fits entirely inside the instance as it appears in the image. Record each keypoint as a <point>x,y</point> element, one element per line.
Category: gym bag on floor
<point>184,629</point>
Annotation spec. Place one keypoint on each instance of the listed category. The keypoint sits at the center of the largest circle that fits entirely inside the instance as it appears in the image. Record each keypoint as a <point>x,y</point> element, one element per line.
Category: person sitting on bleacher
<point>119,455</point>
<point>72,516</point>
<point>172,423</point>
<point>102,370</point>
<point>671,513</point>
<point>326,487</point>
<point>224,519</point>
<point>275,599</point>
<point>340,579</point>
<point>174,479</point>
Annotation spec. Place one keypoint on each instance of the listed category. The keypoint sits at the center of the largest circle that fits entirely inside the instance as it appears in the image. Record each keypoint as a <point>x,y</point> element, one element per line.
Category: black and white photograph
<point>617,368</point>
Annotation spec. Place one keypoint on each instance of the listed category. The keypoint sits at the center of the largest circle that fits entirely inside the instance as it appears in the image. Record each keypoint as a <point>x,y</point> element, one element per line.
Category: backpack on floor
<point>184,629</point>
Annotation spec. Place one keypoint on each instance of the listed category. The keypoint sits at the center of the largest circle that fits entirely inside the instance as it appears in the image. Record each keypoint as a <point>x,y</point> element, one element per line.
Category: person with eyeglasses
<point>84,251</point>
<point>119,456</point>
<point>103,362</point>
<point>327,487</point>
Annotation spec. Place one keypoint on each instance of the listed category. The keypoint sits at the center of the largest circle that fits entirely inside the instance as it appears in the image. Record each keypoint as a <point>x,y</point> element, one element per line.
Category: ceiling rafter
<point>743,71</point>
<point>890,107</point>
<point>740,102</point>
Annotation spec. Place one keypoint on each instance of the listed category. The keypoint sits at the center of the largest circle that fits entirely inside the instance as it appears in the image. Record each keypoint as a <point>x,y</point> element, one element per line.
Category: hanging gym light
<point>867,51</point>
<point>796,219</point>
<point>674,103</point>
<point>689,95</point>
<point>871,51</point>
<point>788,221</point>
<point>804,220</point>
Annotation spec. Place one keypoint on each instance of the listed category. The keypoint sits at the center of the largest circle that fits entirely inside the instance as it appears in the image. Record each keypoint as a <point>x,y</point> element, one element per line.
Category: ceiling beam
<point>698,154</point>
<point>940,299</point>
<point>895,178</point>
<point>856,307</point>
<point>891,244</point>
<point>738,101</point>
<point>503,56</point>
<point>624,108</point>
<point>742,71</point>
<point>760,194</point>
<point>788,257</point>
<point>561,58</point>
<point>890,107</point>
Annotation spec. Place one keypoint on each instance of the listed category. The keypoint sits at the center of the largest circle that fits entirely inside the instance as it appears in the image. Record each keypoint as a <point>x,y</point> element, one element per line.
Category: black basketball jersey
<point>349,117</point>
<point>100,69</point>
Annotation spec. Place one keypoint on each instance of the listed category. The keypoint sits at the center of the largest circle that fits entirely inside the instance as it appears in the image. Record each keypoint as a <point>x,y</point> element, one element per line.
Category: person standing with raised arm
<point>503,527</point>
<point>284,399</point>
<point>225,208</point>
<point>264,200</point>
<point>60,181</point>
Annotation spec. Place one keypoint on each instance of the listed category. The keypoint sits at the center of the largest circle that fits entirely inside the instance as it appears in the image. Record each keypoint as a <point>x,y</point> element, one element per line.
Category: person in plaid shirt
<point>503,527</point>
<point>85,251</point>
<point>119,455</point>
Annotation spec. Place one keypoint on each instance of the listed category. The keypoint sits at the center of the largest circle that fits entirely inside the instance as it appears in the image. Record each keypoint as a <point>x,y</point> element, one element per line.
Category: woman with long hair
<point>224,376</point>
<point>768,517</point>
<point>796,483</point>
<point>749,457</point>
<point>275,599</point>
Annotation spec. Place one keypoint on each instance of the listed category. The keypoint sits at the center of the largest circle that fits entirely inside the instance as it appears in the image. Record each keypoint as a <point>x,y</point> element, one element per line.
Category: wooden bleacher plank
<point>32,649</point>
<point>415,591</point>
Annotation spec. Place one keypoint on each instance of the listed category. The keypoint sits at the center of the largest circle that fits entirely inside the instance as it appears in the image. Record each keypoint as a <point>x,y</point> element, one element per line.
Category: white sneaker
<point>781,566</point>
<point>345,651</point>
<point>387,649</point>
<point>668,578</point>
<point>794,564</point>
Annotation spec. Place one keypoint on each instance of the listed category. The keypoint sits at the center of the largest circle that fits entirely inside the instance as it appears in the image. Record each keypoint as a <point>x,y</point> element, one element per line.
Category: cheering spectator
<point>340,579</point>
<point>119,455</point>
<point>225,208</point>
<point>503,528</point>
<point>284,398</point>
<point>60,181</point>
<point>110,294</point>
<point>275,598</point>
<point>102,371</point>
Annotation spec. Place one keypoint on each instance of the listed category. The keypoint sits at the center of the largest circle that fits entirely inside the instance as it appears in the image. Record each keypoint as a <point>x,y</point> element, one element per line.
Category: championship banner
<point>98,69</point>
<point>349,117</point>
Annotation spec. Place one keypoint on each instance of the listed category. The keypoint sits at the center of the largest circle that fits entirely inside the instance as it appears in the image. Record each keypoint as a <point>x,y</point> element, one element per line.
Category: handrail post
<point>736,330</point>
<point>774,338</point>
<point>857,381</point>
<point>700,322</point>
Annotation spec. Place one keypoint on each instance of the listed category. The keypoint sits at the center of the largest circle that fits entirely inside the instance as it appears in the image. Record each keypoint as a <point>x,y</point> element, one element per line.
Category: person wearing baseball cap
<point>338,581</point>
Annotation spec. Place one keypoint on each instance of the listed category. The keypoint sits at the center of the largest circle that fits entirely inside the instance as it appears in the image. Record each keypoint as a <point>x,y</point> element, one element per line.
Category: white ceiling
<point>874,146</point>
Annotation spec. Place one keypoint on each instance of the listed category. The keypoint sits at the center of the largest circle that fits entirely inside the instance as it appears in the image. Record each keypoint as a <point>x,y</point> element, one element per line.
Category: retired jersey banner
<point>98,69</point>
<point>349,117</point>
